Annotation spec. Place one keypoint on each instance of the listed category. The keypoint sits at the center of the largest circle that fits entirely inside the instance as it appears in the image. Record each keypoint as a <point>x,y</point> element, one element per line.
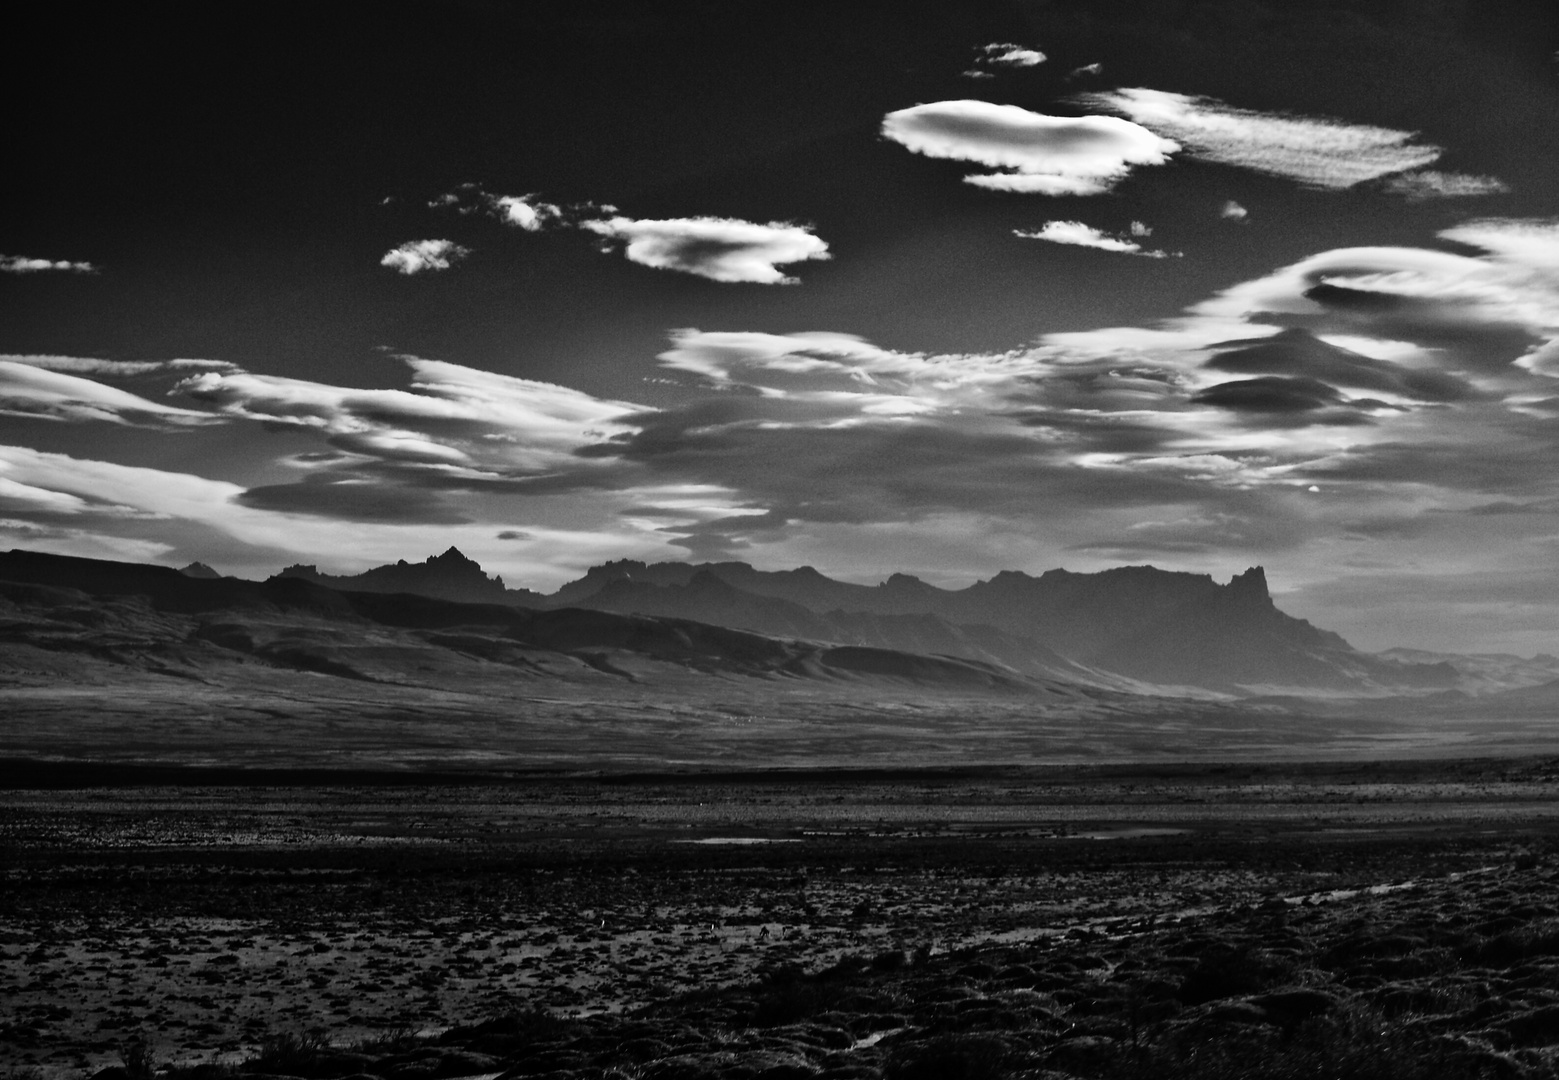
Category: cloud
<point>1075,232</point>
<point>720,249</point>
<point>1430,184</point>
<point>349,498</point>
<point>415,256</point>
<point>1048,155</point>
<point>99,509</point>
<point>34,391</point>
<point>1478,312</point>
<point>1271,394</point>
<point>21,264</point>
<point>1233,211</point>
<point>1299,353</point>
<point>1086,69</point>
<point>1003,55</point>
<point>112,369</point>
<point>527,212</point>
<point>465,424</point>
<point>1319,153</point>
<point>521,212</point>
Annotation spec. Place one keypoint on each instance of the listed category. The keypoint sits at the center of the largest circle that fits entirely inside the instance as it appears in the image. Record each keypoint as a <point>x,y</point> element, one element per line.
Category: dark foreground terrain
<point>1396,920</point>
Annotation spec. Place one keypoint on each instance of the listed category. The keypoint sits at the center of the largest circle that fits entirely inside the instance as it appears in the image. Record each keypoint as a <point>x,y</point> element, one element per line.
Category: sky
<point>940,288</point>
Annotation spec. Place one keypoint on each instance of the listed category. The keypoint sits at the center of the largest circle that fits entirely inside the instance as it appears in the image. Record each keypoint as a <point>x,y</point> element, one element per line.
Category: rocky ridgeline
<point>1128,623</point>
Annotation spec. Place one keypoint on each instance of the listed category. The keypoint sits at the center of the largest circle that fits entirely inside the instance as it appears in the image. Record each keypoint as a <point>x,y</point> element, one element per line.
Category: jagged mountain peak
<point>1253,583</point>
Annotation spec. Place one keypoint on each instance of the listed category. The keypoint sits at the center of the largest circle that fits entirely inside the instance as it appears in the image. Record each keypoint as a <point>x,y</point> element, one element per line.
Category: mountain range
<point>718,665</point>
<point>1132,627</point>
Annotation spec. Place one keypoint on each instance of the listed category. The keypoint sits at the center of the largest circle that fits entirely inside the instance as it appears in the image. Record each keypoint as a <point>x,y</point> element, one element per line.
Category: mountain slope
<point>1135,622</point>
<point>708,597</point>
<point>161,620</point>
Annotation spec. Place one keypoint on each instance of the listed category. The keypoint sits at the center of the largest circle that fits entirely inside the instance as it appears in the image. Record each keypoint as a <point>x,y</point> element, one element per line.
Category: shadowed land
<point>1094,920</point>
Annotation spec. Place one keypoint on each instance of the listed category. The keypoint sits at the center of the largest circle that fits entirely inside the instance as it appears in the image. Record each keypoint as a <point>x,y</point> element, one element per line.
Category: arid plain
<point>1081,920</point>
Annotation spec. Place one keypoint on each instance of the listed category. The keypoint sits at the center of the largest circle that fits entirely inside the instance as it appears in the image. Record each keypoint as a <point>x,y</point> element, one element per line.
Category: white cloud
<point>1529,243</point>
<point>1049,155</point>
<point>1080,235</point>
<point>524,213</point>
<point>1483,310</point>
<point>721,249</point>
<point>21,264</point>
<point>454,417</point>
<point>36,392</point>
<point>145,491</point>
<point>415,256</point>
<point>1317,152</point>
<point>1432,184</point>
<point>1008,55</point>
<point>1233,211</point>
<point>1086,69</point>
<point>87,365</point>
<point>81,543</point>
<point>1543,360</point>
<point>138,513</point>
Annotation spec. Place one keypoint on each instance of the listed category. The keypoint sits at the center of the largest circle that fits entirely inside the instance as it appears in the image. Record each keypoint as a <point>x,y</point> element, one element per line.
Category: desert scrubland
<point>1089,921</point>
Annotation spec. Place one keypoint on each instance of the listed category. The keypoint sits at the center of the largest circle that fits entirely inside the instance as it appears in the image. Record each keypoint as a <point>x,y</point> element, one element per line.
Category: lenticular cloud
<point>721,249</point>
<point>1080,235</point>
<point>1045,155</point>
<point>1317,152</point>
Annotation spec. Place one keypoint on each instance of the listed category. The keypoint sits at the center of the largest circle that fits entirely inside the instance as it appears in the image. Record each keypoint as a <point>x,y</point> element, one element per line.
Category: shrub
<point>948,1057</point>
<point>139,1061</point>
<point>1356,1045</point>
<point>511,1032</point>
<point>786,1000</point>
<point>1230,972</point>
<point>289,1053</point>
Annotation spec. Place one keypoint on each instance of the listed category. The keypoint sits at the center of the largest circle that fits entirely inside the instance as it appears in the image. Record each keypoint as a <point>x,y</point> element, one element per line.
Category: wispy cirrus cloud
<point>89,365</point>
<point>1317,152</point>
<point>1039,154</point>
<point>1080,235</point>
<point>1432,184</point>
<point>420,256</point>
<point>720,249</point>
<point>453,416</point>
<point>22,264</point>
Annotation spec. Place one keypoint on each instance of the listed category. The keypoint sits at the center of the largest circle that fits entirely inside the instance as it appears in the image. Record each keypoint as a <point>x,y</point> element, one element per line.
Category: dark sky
<point>943,288</point>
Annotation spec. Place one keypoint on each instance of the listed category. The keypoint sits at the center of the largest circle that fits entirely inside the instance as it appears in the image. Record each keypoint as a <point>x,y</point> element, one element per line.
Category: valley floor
<point>1084,921</point>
